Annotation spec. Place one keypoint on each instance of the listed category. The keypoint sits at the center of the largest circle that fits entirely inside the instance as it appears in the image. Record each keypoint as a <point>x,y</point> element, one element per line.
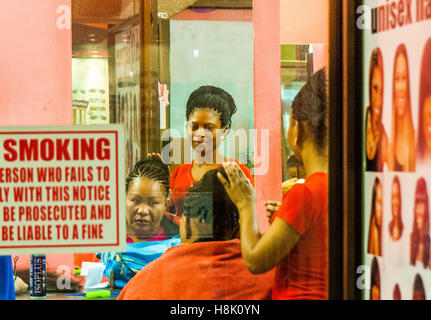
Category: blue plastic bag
<point>120,267</point>
<point>7,283</point>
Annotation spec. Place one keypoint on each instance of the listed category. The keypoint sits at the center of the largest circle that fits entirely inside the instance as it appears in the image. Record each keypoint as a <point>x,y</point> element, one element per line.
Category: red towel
<point>199,271</point>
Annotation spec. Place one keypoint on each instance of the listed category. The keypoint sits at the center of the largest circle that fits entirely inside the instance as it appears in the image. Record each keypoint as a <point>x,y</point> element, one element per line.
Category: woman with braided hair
<point>209,114</point>
<point>150,230</point>
<point>147,187</point>
<point>208,264</point>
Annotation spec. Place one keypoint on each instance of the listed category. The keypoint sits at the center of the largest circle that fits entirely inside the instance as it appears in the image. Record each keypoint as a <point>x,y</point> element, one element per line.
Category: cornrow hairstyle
<point>153,168</point>
<point>311,106</point>
<point>213,98</point>
<point>207,200</point>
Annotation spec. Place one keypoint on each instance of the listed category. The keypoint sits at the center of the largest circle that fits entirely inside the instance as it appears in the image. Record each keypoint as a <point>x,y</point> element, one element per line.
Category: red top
<point>213,270</point>
<point>182,179</point>
<point>303,273</point>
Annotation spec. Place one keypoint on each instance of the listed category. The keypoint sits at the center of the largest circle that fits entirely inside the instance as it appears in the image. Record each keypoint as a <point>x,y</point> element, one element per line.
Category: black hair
<point>310,106</point>
<point>153,168</point>
<point>207,200</point>
<point>213,98</point>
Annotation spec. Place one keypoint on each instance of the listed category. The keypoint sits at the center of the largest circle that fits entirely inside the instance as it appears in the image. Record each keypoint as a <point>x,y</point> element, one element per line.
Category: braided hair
<point>153,168</point>
<point>213,98</point>
<point>208,201</point>
<point>311,106</point>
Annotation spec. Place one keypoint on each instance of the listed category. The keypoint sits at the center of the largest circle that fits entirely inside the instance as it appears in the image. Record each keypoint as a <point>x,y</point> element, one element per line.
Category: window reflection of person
<point>375,280</point>
<point>420,239</point>
<point>375,229</point>
<point>403,135</point>
<point>396,225</point>
<point>418,289</point>
<point>377,139</point>
<point>424,129</point>
<point>209,112</point>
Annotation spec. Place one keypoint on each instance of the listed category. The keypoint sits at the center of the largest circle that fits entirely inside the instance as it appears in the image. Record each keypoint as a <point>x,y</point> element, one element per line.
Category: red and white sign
<point>62,189</point>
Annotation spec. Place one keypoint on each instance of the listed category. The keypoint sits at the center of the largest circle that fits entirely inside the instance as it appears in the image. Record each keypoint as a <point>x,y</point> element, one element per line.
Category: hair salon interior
<point>325,111</point>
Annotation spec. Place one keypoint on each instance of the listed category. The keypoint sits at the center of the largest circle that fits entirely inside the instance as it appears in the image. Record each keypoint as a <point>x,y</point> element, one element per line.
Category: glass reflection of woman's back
<point>375,229</point>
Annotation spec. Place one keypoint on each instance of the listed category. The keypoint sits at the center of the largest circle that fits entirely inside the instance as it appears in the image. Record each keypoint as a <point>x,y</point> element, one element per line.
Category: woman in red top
<point>296,243</point>
<point>209,114</point>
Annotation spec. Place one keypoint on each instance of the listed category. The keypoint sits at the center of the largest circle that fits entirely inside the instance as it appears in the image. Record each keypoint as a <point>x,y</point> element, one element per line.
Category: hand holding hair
<point>238,186</point>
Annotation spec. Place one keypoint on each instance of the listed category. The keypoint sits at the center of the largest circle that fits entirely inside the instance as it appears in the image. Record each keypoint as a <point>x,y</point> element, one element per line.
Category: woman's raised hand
<point>238,186</point>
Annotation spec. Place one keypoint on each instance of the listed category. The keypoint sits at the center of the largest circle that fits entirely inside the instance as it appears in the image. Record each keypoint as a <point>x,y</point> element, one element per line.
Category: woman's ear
<point>294,133</point>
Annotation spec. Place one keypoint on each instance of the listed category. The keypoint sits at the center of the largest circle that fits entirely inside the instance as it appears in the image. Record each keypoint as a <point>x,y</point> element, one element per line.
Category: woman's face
<point>396,210</point>
<point>401,85</point>
<point>145,207</point>
<point>376,98</point>
<point>420,215</point>
<point>375,293</point>
<point>203,128</point>
<point>427,122</point>
<point>379,204</point>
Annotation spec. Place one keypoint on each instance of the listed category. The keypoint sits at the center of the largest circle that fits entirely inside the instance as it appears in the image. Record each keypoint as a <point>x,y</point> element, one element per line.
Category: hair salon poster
<point>397,161</point>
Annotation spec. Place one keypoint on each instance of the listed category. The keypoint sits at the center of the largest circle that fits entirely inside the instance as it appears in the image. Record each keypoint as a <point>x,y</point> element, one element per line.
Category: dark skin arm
<point>260,252</point>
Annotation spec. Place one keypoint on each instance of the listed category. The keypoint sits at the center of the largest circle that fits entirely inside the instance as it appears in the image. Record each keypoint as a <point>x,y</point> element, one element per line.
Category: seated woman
<point>149,228</point>
<point>147,187</point>
<point>208,265</point>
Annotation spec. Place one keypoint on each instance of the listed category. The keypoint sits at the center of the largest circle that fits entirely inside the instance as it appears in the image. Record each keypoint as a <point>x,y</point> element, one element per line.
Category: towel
<point>211,270</point>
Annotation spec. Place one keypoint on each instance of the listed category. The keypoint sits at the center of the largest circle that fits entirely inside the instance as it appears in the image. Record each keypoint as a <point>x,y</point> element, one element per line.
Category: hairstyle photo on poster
<point>375,280</point>
<point>396,129</point>
<point>424,127</point>
<point>376,137</point>
<point>397,293</point>
<point>420,237</point>
<point>403,133</point>
<point>376,217</point>
<point>418,289</point>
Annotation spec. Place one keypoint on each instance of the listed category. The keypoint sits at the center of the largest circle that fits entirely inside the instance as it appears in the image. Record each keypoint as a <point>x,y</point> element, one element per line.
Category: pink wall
<point>304,21</point>
<point>35,64</point>
<point>267,105</point>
